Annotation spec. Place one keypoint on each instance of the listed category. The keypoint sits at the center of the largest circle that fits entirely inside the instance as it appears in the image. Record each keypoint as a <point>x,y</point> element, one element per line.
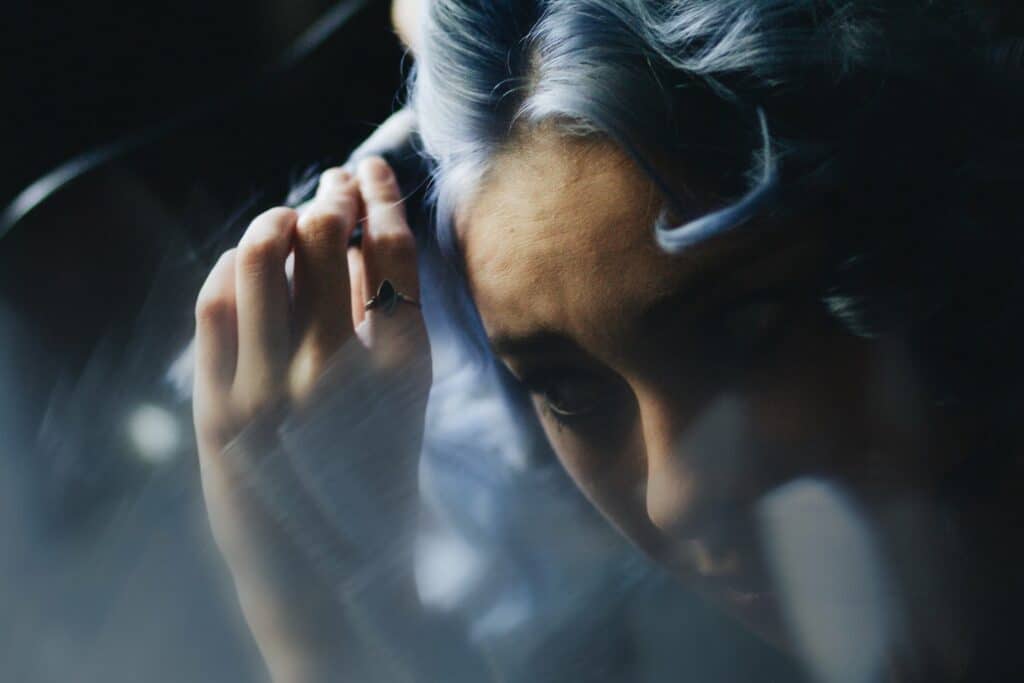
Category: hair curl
<point>894,126</point>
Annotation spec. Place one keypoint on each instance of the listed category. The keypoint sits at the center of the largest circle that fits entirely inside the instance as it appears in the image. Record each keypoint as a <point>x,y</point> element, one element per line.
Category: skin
<point>404,17</point>
<point>263,351</point>
<point>676,390</point>
<point>617,343</point>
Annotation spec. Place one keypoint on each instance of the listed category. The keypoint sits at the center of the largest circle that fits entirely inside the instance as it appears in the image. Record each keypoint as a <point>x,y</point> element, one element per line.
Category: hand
<point>264,353</point>
<point>405,15</point>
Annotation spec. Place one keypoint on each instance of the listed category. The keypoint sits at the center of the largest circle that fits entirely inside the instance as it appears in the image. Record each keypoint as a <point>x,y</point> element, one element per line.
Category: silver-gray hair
<point>882,121</point>
<point>646,73</point>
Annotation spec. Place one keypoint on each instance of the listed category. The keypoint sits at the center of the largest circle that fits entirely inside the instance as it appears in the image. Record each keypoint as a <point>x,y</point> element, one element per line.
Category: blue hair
<point>645,74</point>
<point>879,122</point>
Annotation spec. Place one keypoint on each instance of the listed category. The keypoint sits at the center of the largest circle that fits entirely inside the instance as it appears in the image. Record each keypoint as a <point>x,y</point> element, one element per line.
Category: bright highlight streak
<point>830,575</point>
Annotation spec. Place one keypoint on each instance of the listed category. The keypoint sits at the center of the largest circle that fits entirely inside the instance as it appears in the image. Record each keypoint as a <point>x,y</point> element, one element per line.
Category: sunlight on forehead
<point>559,238</point>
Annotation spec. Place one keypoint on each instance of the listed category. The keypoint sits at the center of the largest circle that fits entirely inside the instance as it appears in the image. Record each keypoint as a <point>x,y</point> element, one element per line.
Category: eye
<point>570,396</point>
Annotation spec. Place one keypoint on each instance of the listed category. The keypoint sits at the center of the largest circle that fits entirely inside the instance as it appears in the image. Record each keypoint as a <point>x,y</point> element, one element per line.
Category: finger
<point>405,15</point>
<point>216,345</point>
<point>263,307</point>
<point>321,284</point>
<point>389,253</point>
<point>332,179</point>
<point>357,284</point>
<point>389,248</point>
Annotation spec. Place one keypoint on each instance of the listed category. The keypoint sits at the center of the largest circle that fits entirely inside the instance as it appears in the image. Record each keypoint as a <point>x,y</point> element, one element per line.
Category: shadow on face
<point>678,391</point>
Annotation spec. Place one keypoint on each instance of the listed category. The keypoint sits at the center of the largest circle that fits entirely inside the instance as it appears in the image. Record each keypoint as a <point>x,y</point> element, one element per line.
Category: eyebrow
<point>550,341</point>
<point>531,343</point>
<point>703,287</point>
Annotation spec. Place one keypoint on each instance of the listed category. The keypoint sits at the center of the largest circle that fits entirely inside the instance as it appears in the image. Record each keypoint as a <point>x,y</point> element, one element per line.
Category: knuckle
<point>215,301</point>
<point>377,180</point>
<point>256,253</point>
<point>385,195</point>
<point>387,216</point>
<point>214,308</point>
<point>321,226</point>
<point>374,168</point>
<point>277,218</point>
<point>395,243</point>
<point>335,176</point>
<point>266,237</point>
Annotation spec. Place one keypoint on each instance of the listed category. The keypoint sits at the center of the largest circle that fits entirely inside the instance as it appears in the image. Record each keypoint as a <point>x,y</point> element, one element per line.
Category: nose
<point>691,457</point>
<point>671,487</point>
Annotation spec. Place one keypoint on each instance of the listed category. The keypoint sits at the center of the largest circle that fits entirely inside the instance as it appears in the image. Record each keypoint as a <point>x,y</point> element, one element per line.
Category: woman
<point>756,264</point>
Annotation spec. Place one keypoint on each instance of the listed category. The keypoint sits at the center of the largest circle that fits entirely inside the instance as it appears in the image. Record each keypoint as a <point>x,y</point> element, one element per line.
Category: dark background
<point>188,119</point>
<point>85,74</point>
<point>231,139</point>
<point>189,126</point>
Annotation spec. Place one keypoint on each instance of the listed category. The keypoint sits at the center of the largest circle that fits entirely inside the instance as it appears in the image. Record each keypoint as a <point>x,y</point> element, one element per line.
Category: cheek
<point>848,419</point>
<point>606,462</point>
<point>813,405</point>
<point>598,460</point>
<point>802,413</point>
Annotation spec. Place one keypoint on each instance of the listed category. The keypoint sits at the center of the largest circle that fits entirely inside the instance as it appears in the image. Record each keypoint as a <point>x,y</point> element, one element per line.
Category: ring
<point>387,299</point>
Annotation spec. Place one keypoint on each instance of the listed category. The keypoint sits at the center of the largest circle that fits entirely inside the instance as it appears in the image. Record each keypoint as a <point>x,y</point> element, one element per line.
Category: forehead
<point>559,237</point>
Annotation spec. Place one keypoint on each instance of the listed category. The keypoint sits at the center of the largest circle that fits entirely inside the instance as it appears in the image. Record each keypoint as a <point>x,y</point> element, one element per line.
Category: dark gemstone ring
<point>387,299</point>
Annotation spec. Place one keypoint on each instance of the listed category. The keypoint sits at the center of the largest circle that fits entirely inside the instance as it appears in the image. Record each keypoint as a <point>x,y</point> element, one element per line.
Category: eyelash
<point>741,336</point>
<point>542,389</point>
<point>563,418</point>
<point>560,420</point>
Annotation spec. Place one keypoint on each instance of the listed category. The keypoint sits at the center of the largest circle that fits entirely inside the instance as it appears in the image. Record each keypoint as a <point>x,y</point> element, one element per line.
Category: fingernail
<point>335,176</point>
<point>375,170</point>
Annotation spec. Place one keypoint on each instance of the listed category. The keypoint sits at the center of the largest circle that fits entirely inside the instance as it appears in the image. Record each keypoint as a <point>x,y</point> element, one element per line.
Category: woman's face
<point>676,390</point>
